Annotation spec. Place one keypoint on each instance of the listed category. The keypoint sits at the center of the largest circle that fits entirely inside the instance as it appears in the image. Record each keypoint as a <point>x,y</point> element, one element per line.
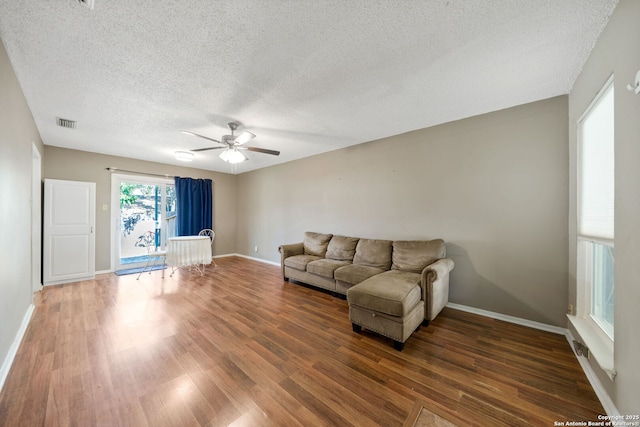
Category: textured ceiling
<point>306,76</point>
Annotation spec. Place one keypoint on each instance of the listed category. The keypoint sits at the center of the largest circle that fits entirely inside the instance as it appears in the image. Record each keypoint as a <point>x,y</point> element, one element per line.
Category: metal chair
<point>211,235</point>
<point>148,241</point>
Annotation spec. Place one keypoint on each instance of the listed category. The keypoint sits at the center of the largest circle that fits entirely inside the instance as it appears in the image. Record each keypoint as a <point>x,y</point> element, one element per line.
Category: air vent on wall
<point>66,123</point>
<point>87,3</point>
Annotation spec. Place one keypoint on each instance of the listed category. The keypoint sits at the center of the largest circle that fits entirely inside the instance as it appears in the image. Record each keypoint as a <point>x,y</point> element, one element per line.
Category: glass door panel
<point>142,203</point>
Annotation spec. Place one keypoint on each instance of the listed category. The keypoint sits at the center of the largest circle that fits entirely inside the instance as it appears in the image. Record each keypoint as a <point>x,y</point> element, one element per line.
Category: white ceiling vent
<point>66,123</point>
<point>87,3</point>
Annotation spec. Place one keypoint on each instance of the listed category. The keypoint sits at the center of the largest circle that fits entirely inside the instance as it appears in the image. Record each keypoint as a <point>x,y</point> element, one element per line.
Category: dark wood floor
<point>241,347</point>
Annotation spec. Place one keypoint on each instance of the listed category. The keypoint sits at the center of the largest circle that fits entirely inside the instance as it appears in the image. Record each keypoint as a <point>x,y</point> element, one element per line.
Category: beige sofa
<point>337,263</point>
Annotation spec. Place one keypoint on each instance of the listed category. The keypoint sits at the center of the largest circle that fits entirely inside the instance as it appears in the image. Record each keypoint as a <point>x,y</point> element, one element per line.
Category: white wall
<point>494,187</point>
<point>617,52</point>
<point>17,131</point>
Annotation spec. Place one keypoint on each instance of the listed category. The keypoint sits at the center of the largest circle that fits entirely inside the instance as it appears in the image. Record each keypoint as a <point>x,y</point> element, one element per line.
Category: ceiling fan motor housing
<point>228,139</point>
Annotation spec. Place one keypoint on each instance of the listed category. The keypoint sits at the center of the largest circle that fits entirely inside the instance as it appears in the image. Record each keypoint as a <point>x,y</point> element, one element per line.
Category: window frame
<point>597,339</point>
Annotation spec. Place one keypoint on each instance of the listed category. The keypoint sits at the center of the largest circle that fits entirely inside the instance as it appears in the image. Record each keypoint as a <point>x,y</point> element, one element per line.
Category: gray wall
<point>74,165</point>
<point>17,132</point>
<point>617,52</point>
<point>495,187</point>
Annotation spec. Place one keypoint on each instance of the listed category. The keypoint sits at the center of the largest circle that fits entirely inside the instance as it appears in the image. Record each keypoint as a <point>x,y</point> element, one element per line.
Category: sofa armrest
<point>289,250</point>
<point>435,287</point>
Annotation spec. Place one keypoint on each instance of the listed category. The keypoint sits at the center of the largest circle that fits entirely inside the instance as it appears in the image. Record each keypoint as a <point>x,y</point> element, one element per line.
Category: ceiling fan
<point>232,145</point>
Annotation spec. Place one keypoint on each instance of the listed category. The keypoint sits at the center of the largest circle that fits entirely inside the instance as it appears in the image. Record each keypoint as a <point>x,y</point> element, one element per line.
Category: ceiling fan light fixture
<point>232,156</point>
<point>225,155</point>
<point>184,156</point>
<point>237,157</point>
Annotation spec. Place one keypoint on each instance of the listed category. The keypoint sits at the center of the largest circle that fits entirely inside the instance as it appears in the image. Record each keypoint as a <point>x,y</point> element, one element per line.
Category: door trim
<point>36,219</point>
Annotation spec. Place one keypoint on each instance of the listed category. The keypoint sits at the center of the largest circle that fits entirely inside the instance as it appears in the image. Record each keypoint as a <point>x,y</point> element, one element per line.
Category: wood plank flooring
<point>242,347</point>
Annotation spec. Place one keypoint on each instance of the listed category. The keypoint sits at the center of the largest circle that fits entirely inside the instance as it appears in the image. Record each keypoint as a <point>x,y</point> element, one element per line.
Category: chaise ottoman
<point>389,304</point>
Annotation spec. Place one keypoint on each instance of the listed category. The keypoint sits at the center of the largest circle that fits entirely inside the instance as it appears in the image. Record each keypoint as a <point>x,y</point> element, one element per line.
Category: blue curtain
<point>194,204</point>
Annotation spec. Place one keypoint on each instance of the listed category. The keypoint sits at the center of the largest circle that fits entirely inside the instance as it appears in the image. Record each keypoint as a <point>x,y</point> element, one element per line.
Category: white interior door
<point>69,238</point>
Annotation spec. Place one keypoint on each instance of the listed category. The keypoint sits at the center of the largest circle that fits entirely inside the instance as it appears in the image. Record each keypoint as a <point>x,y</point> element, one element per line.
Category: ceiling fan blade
<point>263,150</point>
<point>201,136</point>
<point>244,137</point>
<point>208,148</point>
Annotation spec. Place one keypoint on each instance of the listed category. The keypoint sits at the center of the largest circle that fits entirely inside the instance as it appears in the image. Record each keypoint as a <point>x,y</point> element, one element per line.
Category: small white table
<point>189,251</point>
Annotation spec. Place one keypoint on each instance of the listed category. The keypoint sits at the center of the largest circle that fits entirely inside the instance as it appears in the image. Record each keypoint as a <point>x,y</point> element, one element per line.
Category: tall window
<point>596,210</point>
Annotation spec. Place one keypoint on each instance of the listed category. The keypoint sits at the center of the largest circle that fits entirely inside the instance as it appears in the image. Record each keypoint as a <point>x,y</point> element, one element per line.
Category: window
<point>595,255</point>
<point>602,287</point>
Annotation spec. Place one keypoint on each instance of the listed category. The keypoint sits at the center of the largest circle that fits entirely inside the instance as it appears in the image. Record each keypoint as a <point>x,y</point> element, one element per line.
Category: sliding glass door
<point>140,205</point>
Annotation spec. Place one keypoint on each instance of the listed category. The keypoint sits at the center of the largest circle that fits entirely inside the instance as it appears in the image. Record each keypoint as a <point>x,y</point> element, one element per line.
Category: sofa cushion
<point>355,273</point>
<point>325,267</point>
<point>342,248</point>
<point>316,243</point>
<point>373,253</point>
<point>415,255</point>
<point>393,292</point>
<point>299,262</point>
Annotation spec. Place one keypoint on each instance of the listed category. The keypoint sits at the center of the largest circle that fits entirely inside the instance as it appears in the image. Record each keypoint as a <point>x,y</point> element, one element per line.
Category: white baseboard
<point>511,319</point>
<point>225,255</point>
<point>596,384</point>
<point>250,257</point>
<point>13,350</point>
<point>600,391</point>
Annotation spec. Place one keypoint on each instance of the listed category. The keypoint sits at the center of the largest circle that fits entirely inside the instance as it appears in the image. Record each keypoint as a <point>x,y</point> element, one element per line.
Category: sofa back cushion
<point>415,255</point>
<point>373,253</point>
<point>342,248</point>
<point>316,243</point>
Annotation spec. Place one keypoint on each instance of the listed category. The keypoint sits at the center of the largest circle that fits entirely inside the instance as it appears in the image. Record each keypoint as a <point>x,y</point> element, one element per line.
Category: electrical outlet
<point>570,309</point>
<point>581,349</point>
<point>578,347</point>
<point>255,249</point>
